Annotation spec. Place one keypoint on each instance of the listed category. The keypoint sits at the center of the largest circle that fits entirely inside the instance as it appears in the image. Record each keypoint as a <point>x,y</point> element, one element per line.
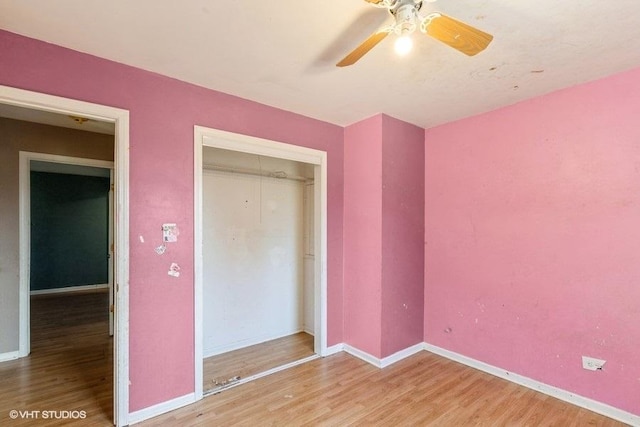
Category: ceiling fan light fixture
<point>79,120</point>
<point>403,45</point>
<point>407,18</point>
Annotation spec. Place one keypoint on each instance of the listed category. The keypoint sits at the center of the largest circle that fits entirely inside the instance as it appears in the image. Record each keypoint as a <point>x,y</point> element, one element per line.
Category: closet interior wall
<point>258,261</point>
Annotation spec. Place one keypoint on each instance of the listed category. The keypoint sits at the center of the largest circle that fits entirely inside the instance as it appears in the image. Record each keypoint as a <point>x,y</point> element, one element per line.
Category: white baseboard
<point>161,408</point>
<point>583,402</point>
<point>69,289</point>
<point>334,349</point>
<point>10,355</point>
<point>402,354</point>
<point>363,355</point>
<point>386,361</point>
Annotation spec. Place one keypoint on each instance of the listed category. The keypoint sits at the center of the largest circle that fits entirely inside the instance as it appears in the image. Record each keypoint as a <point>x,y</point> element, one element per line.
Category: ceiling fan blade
<point>364,47</point>
<point>458,35</point>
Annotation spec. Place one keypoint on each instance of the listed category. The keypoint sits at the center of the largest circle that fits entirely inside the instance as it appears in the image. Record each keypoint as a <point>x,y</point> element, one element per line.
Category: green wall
<point>69,230</point>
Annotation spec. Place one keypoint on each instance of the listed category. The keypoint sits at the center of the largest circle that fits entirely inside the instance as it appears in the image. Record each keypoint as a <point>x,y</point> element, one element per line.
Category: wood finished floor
<point>70,365</point>
<point>70,369</point>
<point>340,390</point>
<point>255,359</point>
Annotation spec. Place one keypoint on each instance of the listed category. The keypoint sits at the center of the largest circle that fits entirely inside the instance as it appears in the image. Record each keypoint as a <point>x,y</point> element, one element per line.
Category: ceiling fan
<point>407,18</point>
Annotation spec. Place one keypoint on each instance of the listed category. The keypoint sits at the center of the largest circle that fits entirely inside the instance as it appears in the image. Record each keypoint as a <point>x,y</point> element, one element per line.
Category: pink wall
<point>163,112</point>
<point>363,235</point>
<point>532,214</point>
<point>383,235</point>
<point>533,236</point>
<point>402,235</point>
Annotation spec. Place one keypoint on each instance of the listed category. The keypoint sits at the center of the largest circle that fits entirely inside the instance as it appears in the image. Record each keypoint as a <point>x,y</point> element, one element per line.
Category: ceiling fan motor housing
<point>405,13</point>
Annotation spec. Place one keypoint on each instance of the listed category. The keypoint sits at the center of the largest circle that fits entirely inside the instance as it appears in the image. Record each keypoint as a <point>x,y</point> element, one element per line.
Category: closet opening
<point>260,245</point>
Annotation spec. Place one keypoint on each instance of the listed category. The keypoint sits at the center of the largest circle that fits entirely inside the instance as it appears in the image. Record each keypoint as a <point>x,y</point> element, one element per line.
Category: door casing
<point>120,119</point>
<point>247,144</point>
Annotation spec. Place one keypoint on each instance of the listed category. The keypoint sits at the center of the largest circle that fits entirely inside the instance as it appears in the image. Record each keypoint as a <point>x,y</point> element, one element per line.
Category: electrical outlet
<point>592,364</point>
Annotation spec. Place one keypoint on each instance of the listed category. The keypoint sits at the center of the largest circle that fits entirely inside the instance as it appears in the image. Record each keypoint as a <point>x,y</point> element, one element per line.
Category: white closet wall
<point>253,259</point>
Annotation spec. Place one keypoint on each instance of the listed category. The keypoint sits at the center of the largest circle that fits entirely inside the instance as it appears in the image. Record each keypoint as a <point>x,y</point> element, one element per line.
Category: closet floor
<point>226,368</point>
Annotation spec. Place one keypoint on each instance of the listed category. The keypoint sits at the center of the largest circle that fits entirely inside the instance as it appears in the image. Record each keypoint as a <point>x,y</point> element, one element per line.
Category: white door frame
<point>120,118</point>
<point>207,137</point>
<point>111,249</point>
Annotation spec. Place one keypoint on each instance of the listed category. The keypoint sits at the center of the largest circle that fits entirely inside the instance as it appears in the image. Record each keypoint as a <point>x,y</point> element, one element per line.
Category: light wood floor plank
<point>71,369</point>
<point>340,390</point>
<point>70,366</point>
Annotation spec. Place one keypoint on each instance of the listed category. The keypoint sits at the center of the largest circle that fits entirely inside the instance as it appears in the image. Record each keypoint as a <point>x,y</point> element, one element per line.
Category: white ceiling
<point>54,119</point>
<point>282,53</point>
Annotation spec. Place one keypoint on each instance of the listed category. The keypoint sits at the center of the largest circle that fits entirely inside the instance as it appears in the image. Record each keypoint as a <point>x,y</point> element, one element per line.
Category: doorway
<point>238,149</point>
<point>37,106</point>
<point>68,202</point>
